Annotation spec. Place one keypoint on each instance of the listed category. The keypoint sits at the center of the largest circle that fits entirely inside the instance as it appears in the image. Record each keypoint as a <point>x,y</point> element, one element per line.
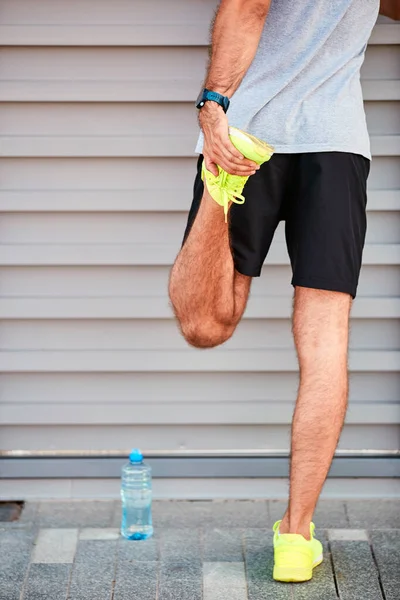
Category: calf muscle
<point>207,294</point>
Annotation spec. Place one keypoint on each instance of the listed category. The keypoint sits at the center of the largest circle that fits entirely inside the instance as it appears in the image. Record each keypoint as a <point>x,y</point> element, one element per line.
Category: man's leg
<point>320,328</point>
<point>207,293</point>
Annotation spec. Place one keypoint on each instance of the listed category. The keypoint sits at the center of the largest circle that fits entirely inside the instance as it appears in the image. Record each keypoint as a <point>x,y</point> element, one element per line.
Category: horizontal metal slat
<point>147,34</point>
<point>142,118</point>
<point>203,412</point>
<point>179,360</point>
<point>135,200</point>
<point>126,174</point>
<point>388,89</point>
<point>148,254</point>
<point>385,145</point>
<point>143,64</point>
<point>97,389</point>
<point>223,437</point>
<point>149,90</point>
<point>192,467</point>
<point>163,335</point>
<point>157,307</point>
<point>115,146</point>
<point>140,228</point>
<point>388,33</point>
<point>132,145</point>
<point>133,280</point>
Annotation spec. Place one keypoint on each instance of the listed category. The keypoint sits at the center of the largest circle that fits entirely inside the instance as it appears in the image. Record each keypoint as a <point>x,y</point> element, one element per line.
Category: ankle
<point>300,527</point>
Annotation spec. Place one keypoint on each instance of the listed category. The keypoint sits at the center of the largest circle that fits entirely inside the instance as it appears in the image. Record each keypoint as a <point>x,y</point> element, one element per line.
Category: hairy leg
<point>320,329</point>
<point>207,293</point>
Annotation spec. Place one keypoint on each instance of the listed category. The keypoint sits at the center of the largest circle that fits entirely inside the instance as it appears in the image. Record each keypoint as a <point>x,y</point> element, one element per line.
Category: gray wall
<point>98,130</point>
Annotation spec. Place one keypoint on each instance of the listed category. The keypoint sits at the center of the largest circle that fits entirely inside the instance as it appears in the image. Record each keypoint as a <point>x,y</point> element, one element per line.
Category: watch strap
<point>223,101</point>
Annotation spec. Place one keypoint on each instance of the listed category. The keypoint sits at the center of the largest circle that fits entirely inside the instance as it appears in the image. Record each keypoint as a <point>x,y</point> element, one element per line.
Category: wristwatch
<point>206,95</point>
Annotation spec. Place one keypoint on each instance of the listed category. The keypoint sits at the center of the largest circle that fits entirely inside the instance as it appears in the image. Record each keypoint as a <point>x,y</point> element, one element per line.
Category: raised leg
<point>320,329</point>
<point>207,294</point>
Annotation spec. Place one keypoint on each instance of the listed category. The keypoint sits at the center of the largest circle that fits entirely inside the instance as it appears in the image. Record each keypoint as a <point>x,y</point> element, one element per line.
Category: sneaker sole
<point>263,149</point>
<point>295,574</point>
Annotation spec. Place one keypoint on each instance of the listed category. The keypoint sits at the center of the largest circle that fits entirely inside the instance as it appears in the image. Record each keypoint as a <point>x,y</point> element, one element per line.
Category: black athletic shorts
<point>322,198</point>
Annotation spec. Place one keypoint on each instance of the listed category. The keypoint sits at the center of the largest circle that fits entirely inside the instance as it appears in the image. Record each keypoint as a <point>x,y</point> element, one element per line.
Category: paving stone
<point>93,533</point>
<point>322,584</point>
<point>259,559</point>
<point>222,594</point>
<point>176,573</point>
<point>224,580</point>
<point>221,514</point>
<point>76,514</point>
<point>47,582</point>
<point>374,514</point>
<point>276,510</point>
<point>27,518</point>
<point>329,514</point>
<point>223,545</point>
<point>15,552</point>
<point>136,581</point>
<point>143,550</point>
<point>117,514</point>
<point>347,535</point>
<point>180,545</point>
<point>180,570</point>
<point>55,546</point>
<point>355,571</point>
<point>182,590</point>
<point>29,513</point>
<point>386,548</point>
<point>93,571</point>
<point>186,532</point>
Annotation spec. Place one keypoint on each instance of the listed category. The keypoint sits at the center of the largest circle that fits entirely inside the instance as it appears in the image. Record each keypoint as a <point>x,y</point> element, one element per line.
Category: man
<point>291,73</point>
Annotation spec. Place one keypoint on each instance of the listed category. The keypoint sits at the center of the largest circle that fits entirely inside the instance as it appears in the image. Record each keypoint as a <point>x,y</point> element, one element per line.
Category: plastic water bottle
<point>136,498</point>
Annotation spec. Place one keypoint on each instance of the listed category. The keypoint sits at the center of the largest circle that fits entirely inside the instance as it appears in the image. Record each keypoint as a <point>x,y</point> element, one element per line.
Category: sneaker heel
<point>292,574</point>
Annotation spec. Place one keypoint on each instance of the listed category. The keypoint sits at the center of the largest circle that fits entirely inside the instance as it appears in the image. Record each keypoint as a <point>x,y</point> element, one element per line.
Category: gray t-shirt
<point>302,92</point>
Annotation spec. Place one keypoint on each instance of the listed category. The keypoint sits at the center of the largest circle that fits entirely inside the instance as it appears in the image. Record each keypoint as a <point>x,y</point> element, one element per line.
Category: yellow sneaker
<point>295,557</point>
<point>226,187</point>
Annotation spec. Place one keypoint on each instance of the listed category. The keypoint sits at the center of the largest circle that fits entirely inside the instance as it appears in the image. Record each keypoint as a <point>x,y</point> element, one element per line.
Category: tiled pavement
<point>200,551</point>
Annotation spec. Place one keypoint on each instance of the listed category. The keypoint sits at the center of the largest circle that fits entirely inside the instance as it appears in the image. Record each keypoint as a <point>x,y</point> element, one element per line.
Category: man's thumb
<point>211,166</point>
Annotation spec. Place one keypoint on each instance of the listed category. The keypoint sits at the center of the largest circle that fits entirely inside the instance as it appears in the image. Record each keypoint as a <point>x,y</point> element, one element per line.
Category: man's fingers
<point>234,155</point>
<point>235,168</point>
<point>231,149</point>
<point>220,151</point>
<point>227,165</point>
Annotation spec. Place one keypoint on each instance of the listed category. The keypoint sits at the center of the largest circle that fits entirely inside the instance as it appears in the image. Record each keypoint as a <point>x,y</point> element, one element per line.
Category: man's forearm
<point>390,8</point>
<point>234,42</point>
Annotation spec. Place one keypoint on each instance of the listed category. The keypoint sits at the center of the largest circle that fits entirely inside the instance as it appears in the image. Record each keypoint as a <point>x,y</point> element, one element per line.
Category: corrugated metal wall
<point>98,130</point>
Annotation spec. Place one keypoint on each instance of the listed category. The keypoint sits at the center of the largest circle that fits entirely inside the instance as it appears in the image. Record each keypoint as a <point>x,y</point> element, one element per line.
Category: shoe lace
<point>230,186</point>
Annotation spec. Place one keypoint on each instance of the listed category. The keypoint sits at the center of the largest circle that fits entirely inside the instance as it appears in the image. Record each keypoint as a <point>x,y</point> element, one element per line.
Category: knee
<point>200,327</point>
<point>205,334</point>
<point>321,326</point>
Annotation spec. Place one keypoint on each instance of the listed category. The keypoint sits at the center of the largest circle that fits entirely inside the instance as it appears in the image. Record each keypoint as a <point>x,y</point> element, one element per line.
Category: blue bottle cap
<point>136,456</point>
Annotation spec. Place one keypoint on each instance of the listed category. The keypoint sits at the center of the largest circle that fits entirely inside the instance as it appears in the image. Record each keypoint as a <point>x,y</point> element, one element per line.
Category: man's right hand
<point>218,148</point>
